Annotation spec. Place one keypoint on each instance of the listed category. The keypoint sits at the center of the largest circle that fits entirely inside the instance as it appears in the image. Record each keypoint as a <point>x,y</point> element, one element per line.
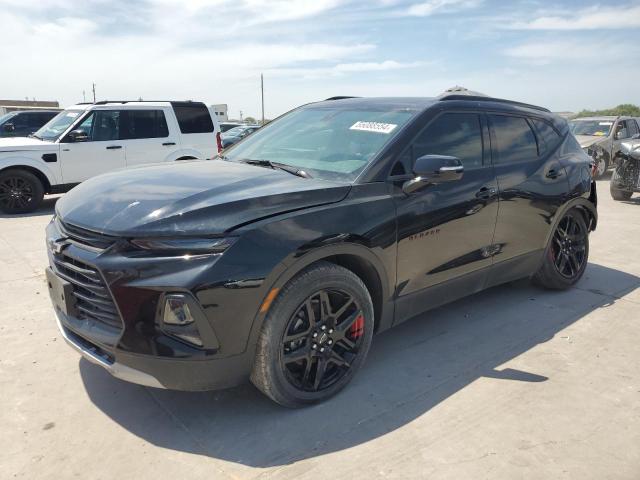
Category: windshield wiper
<point>278,166</point>
<point>33,135</point>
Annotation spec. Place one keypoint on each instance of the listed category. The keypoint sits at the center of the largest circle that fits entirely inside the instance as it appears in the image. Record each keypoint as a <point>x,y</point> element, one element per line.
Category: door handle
<point>486,192</point>
<point>553,173</point>
<point>168,143</point>
<point>114,147</point>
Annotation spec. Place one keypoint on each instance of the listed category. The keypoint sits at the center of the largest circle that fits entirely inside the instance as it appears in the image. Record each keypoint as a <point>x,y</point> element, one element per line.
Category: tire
<point>20,191</point>
<point>617,193</point>
<point>602,165</point>
<point>566,256</point>
<point>286,369</point>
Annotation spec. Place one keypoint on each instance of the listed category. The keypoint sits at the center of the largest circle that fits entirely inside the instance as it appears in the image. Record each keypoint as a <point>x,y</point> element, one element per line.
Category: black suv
<point>24,123</point>
<point>281,259</point>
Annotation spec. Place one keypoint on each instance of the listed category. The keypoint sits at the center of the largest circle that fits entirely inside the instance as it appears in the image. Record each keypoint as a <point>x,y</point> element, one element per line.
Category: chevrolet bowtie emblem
<point>58,245</point>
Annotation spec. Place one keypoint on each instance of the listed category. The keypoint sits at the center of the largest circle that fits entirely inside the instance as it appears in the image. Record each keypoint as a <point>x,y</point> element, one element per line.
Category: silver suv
<point>601,137</point>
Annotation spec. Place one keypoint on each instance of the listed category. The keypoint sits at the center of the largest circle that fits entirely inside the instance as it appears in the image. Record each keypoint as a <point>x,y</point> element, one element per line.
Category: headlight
<point>184,246</point>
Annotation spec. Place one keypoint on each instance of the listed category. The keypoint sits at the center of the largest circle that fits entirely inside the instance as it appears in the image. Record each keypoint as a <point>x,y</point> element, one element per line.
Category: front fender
<point>51,170</point>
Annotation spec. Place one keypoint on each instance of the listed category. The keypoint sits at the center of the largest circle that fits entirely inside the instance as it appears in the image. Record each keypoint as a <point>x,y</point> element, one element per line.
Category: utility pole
<point>94,93</point>
<point>262,95</point>
<point>240,115</point>
<point>84,96</point>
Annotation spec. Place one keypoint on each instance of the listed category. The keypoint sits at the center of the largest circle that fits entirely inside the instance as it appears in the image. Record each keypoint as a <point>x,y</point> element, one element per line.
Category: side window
<point>455,134</point>
<point>515,139</point>
<point>632,128</point>
<point>143,124</point>
<point>21,121</point>
<point>101,126</point>
<point>549,136</point>
<point>622,130</point>
<point>193,118</point>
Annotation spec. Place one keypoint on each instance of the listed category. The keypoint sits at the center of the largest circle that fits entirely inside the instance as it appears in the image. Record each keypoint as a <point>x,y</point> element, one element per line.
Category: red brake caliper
<point>357,329</point>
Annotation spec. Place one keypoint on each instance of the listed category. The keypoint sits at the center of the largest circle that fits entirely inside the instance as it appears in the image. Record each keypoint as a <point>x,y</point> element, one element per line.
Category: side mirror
<point>433,170</point>
<point>77,136</point>
<point>9,127</point>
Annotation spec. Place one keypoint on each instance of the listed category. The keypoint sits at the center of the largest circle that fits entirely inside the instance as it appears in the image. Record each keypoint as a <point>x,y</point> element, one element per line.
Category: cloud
<point>342,69</point>
<point>433,7</point>
<point>571,51</point>
<point>590,18</point>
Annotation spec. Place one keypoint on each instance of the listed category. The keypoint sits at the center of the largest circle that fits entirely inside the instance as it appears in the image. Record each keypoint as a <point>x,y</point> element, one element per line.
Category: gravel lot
<point>514,382</point>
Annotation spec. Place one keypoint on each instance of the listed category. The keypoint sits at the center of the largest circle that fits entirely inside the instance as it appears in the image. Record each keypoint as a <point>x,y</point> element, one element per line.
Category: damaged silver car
<point>601,138</point>
<point>626,176</point>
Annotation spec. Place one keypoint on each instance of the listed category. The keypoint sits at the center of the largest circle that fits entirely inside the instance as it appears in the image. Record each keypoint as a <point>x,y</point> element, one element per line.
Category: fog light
<point>178,321</point>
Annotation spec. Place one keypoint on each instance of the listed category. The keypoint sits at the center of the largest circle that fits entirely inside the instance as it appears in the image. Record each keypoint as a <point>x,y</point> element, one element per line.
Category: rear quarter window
<point>193,117</point>
<point>549,137</point>
<point>515,139</point>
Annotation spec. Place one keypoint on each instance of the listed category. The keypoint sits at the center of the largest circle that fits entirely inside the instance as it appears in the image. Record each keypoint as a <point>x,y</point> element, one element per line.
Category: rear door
<point>197,128</point>
<point>532,185</point>
<point>101,152</point>
<point>445,232</point>
<point>146,136</point>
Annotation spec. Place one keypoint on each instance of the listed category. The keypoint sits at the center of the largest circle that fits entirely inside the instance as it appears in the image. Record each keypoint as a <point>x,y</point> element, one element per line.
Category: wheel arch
<point>357,258</point>
<point>586,208</point>
<point>42,176</point>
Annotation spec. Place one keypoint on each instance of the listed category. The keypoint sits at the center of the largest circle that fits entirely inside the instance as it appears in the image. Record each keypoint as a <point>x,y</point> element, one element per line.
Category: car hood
<point>17,144</point>
<point>588,140</point>
<point>187,198</point>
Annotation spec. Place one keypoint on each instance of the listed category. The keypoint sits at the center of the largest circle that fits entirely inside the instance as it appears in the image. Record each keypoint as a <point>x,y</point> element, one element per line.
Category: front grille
<point>89,238</point>
<point>93,300</point>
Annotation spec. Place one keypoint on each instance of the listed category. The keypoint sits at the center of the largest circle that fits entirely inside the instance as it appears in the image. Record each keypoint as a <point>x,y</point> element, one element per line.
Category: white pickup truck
<point>89,139</point>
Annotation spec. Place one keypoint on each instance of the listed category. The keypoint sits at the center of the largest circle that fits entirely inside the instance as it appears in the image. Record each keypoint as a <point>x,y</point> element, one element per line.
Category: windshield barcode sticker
<point>606,123</point>
<point>376,127</point>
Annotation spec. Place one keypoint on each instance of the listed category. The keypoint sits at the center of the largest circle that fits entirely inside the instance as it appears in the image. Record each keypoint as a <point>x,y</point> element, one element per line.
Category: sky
<point>565,55</point>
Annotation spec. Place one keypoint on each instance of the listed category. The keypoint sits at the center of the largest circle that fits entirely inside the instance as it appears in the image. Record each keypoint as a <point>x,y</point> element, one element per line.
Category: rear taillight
<point>219,142</point>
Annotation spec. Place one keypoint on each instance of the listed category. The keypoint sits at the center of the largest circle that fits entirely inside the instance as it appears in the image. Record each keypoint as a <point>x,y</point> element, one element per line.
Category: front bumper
<point>131,343</point>
<point>98,357</point>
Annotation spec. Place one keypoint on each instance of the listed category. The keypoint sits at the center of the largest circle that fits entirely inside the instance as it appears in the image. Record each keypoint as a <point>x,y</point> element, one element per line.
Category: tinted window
<point>550,138</point>
<point>455,134</point>
<point>143,124</point>
<point>633,127</point>
<point>193,118</point>
<point>514,138</point>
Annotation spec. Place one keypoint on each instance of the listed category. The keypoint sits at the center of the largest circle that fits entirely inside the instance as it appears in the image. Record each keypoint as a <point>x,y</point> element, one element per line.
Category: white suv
<point>89,139</point>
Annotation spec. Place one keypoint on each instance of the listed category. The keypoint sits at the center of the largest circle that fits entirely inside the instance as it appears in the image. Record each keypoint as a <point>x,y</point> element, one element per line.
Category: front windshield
<point>328,142</point>
<point>594,128</point>
<point>57,125</point>
<point>6,117</point>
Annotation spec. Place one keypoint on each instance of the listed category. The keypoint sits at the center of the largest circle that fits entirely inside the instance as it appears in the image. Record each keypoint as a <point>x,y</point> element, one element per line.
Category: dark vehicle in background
<point>24,123</point>
<point>226,126</point>
<point>281,260</point>
<point>626,176</point>
<point>602,137</point>
<point>233,136</point>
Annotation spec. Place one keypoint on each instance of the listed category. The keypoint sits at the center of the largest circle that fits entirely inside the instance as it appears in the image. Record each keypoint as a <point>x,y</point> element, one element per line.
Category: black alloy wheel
<point>20,191</point>
<point>567,254</point>
<point>322,339</point>
<point>568,248</point>
<point>315,337</point>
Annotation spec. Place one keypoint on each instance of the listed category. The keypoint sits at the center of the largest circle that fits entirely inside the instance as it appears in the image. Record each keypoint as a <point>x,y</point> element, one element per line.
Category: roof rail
<point>492,99</point>
<point>104,102</point>
<point>339,97</point>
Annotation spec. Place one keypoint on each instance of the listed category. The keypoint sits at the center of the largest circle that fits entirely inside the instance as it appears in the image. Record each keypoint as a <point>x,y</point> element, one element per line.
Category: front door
<point>445,231</point>
<point>99,151</point>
